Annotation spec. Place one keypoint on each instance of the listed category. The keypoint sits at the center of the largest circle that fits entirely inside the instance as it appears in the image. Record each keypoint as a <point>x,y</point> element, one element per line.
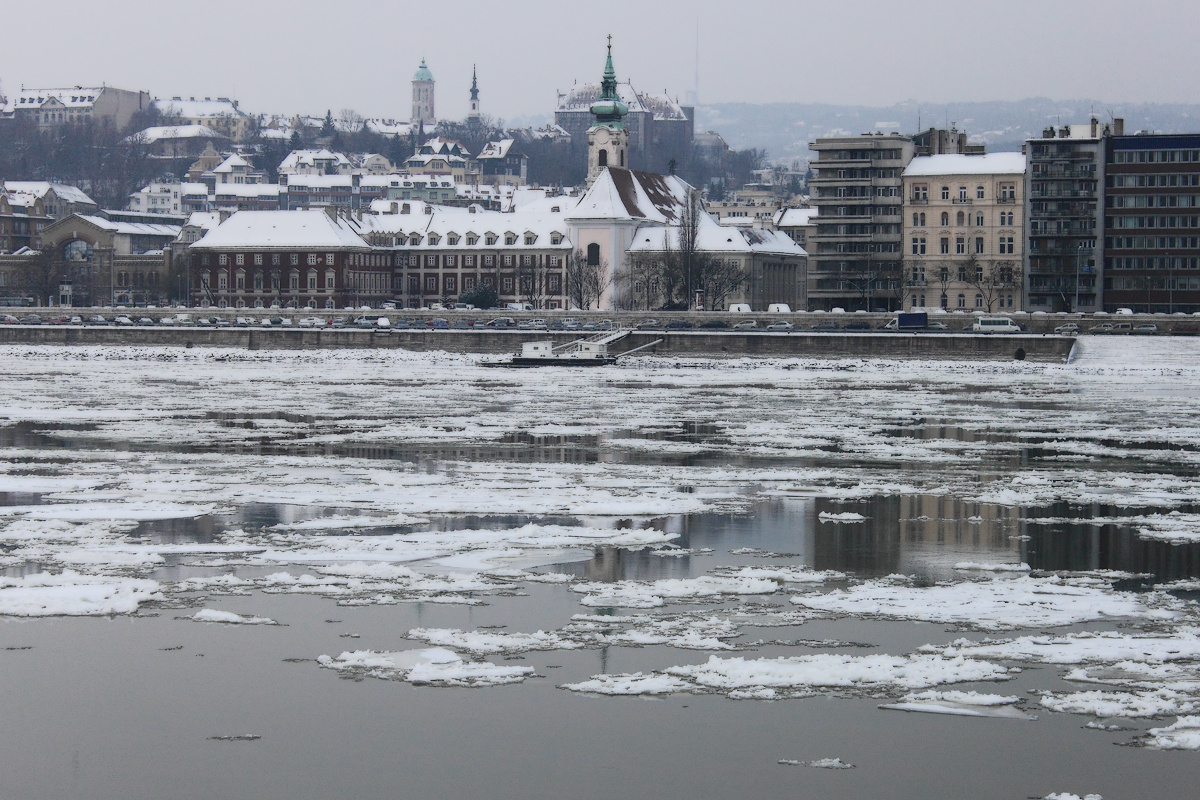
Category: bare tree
<point>942,281</point>
<point>586,283</point>
<point>993,279</point>
<point>912,281</point>
<point>349,121</point>
<point>720,279</point>
<point>639,281</point>
<point>532,283</point>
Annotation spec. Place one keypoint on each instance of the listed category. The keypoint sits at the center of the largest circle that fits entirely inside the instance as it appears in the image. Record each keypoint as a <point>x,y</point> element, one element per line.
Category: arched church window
<point>593,252</point>
<point>603,158</point>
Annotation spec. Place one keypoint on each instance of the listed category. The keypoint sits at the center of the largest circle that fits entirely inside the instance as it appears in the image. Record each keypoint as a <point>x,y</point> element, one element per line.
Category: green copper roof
<point>423,73</point>
<point>609,109</point>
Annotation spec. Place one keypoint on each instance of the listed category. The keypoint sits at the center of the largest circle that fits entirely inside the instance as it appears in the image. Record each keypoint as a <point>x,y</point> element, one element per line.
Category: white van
<point>995,325</point>
<point>779,308</point>
<point>740,308</point>
<point>519,307</point>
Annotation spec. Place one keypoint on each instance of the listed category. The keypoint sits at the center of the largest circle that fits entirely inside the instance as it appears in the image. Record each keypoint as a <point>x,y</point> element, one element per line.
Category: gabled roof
<point>714,238</point>
<point>624,194</point>
<point>64,191</point>
<point>131,228</point>
<point>293,230</point>
<point>498,149</point>
<point>233,161</point>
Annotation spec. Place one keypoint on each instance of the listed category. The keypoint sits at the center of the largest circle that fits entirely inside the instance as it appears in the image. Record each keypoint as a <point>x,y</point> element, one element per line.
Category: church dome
<point>423,73</point>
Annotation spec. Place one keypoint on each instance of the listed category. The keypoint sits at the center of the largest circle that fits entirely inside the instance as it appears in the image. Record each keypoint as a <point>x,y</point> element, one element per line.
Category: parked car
<point>438,323</point>
<point>1184,330</point>
<point>937,327</point>
<point>1145,328</point>
<point>745,325</point>
<point>339,322</point>
<point>1070,329</point>
<point>8,319</point>
<point>60,320</point>
<point>649,325</point>
<point>858,325</point>
<point>781,327</point>
<point>311,322</point>
<point>714,324</point>
<point>123,320</point>
<point>1122,327</point>
<point>96,319</point>
<point>221,322</point>
<point>1103,327</point>
<point>678,324</point>
<point>826,325</point>
<point>463,324</point>
<point>364,322</point>
<point>500,322</point>
<point>244,322</point>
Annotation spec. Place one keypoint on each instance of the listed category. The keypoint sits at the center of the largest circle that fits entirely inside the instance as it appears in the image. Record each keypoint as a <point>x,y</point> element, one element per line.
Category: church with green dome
<point>422,97</point>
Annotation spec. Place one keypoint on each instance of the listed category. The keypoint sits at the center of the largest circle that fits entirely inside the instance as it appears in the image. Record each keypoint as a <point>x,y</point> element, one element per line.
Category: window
<point>978,192</point>
<point>275,282</point>
<point>240,259</point>
<point>962,301</point>
<point>1008,192</point>
<point>489,261</point>
<point>508,262</point>
<point>451,261</point>
<point>979,301</point>
<point>527,261</point>
<point>945,246</point>
<point>222,259</point>
<point>979,219</point>
<point>295,259</point>
<point>430,283</point>
<point>978,244</point>
<point>491,239</point>
<point>553,283</point>
<point>922,221</point>
<point>312,259</point>
<point>945,219</point>
<point>468,284</point>
<point>593,255</point>
<point>451,284</point>
<point>945,192</point>
<point>921,192</point>
<point>530,239</point>
<point>222,280</point>
<point>258,281</point>
<point>510,238</point>
<point>1008,245</point>
<point>414,284</point>
<point>239,280</point>
<point>960,219</point>
<point>329,279</point>
<point>507,283</point>
<point>468,261</point>
<point>960,245</point>
<point>962,193</point>
<point>329,259</point>
<point>962,274</point>
<point>431,261</point>
<point>918,246</point>
<point>294,280</point>
<point>916,218</point>
<point>258,259</point>
<point>312,280</point>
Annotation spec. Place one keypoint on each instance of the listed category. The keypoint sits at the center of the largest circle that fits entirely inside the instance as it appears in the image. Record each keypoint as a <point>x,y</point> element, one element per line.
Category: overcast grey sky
<point>312,55</point>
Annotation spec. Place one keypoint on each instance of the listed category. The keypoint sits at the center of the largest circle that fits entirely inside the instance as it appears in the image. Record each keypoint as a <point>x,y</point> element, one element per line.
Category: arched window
<point>922,219</point>
<point>979,220</point>
<point>603,158</point>
<point>960,219</point>
<point>77,250</point>
<point>916,219</point>
<point>945,218</point>
<point>979,301</point>
<point>258,281</point>
<point>593,255</point>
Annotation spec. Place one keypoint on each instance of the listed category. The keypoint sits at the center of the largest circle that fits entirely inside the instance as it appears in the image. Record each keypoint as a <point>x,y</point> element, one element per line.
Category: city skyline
<point>777,52</point>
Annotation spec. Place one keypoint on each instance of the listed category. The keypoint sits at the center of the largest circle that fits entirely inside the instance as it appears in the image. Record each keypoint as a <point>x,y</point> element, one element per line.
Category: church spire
<point>609,109</point>
<point>474,112</point>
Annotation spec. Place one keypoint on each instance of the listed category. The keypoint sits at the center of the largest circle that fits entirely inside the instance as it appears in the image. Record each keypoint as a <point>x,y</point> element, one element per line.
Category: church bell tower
<point>608,139</point>
<point>473,114</point>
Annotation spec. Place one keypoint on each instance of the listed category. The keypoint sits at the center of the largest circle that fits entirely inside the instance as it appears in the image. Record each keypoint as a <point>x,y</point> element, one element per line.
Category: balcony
<point>962,201</point>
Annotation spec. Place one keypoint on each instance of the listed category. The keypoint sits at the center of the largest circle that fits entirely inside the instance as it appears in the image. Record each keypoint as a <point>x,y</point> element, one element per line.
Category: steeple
<point>609,109</point>
<point>474,113</point>
<point>422,95</point>
<point>608,140</point>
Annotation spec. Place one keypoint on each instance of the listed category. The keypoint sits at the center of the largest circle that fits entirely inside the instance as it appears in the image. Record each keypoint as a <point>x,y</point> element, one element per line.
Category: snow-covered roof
<point>205,220</point>
<point>423,159</point>
<point>630,195</point>
<point>198,109</point>
<point>714,238</point>
<point>170,132</point>
<point>70,194</point>
<point>794,217</point>
<point>74,97</point>
<point>319,181</point>
<point>132,228</point>
<point>661,106</point>
<point>428,222</point>
<point>292,230</point>
<point>496,149</point>
<point>189,188</point>
<point>233,161</point>
<point>309,158</point>
<point>389,127</point>
<point>958,164</point>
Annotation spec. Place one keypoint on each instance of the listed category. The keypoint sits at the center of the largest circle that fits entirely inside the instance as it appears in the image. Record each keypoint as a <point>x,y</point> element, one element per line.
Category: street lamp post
<point>1078,262</point>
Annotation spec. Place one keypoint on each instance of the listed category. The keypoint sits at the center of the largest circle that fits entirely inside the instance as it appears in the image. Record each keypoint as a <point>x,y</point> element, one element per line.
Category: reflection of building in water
<point>937,532</point>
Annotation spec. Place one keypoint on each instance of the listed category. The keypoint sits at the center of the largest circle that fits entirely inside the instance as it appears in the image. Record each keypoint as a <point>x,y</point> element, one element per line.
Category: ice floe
<point>964,704</point>
<point>71,594</point>
<point>435,666</point>
<point>229,618</point>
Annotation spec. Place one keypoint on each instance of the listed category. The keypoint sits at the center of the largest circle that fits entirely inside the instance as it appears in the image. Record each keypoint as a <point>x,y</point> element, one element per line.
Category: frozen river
<point>339,573</point>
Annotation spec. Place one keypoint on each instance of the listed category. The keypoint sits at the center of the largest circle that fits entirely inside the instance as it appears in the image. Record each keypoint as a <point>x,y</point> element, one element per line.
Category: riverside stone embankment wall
<point>733,344</point>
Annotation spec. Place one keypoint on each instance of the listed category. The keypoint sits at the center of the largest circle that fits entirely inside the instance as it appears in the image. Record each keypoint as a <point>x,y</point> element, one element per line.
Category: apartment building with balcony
<point>1063,271</point>
<point>964,232</point>
<point>1151,242</point>
<point>855,252</point>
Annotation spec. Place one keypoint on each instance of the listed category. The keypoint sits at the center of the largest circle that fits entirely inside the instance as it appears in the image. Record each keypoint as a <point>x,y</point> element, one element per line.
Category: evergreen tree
<point>327,128</point>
